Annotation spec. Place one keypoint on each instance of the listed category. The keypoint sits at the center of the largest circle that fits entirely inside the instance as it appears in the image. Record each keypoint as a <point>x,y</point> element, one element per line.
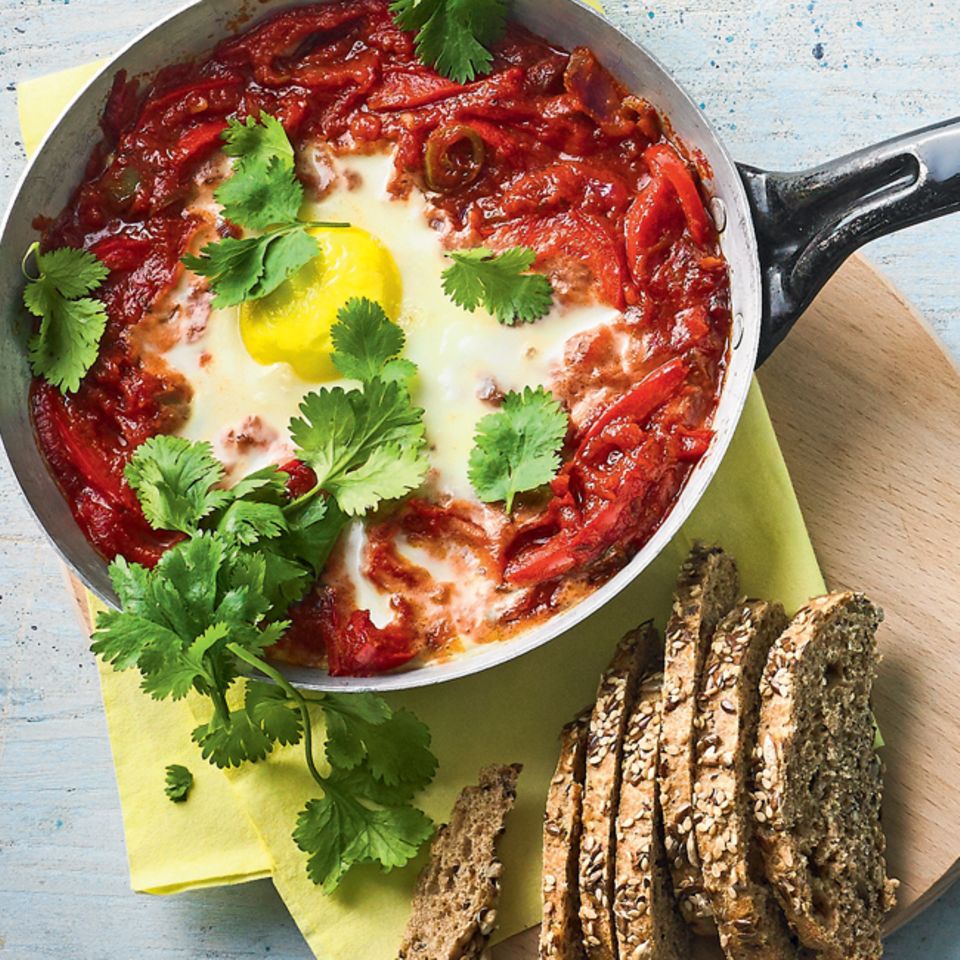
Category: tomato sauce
<point>547,151</point>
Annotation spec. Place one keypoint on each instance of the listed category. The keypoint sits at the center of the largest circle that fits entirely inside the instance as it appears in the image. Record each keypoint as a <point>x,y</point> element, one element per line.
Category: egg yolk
<point>293,323</point>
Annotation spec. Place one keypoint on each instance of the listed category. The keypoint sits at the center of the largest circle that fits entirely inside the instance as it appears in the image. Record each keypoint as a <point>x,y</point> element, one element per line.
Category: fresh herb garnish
<point>367,344</point>
<point>179,780</point>
<point>204,615</point>
<point>262,193</point>
<point>364,445</point>
<point>71,323</point>
<point>518,447</point>
<point>499,283</point>
<point>454,36</point>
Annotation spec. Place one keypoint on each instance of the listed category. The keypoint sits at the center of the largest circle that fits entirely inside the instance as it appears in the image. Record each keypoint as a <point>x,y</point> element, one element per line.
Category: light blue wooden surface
<point>788,83</point>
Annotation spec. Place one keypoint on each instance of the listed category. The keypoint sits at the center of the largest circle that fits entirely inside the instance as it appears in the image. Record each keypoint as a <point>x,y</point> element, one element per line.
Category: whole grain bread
<point>707,589</point>
<point>561,936</point>
<point>648,921</point>
<point>601,790</point>
<point>454,904</point>
<point>749,920</point>
<point>819,779</point>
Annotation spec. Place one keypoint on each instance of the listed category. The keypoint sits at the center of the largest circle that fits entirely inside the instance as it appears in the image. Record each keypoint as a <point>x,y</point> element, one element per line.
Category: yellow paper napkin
<point>237,825</point>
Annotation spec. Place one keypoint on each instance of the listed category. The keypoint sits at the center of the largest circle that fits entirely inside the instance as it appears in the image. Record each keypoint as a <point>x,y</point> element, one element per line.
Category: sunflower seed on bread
<point>707,589</point>
<point>601,789</point>
<point>561,937</point>
<point>648,922</point>
<point>749,920</point>
<point>819,780</point>
<point>454,904</point>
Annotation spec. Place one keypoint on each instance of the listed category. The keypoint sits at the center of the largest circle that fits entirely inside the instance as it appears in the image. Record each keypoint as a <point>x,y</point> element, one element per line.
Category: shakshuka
<point>547,151</point>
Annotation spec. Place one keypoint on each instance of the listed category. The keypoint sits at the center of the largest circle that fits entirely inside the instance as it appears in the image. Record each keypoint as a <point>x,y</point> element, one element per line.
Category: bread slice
<point>648,922</point>
<point>819,779</point>
<point>707,589</point>
<point>454,904</point>
<point>601,789</point>
<point>561,937</point>
<point>749,919</point>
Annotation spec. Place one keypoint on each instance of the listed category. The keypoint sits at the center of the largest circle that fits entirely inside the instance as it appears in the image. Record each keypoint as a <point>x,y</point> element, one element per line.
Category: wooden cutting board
<point>866,404</point>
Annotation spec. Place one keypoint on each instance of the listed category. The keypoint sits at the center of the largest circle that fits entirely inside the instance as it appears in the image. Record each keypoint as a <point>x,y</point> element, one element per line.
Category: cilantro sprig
<point>203,617</point>
<point>454,36</point>
<point>179,782</point>
<point>262,193</point>
<point>517,448</point>
<point>367,343</point>
<point>71,323</point>
<point>499,282</point>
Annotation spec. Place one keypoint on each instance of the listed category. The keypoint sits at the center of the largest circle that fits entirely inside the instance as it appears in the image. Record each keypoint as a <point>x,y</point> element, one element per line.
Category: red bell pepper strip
<point>651,215</point>
<point>362,649</point>
<point>653,390</point>
<point>576,546</point>
<point>665,163</point>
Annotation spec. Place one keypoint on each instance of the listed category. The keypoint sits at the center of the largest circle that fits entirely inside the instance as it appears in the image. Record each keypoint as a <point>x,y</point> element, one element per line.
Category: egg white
<point>455,351</point>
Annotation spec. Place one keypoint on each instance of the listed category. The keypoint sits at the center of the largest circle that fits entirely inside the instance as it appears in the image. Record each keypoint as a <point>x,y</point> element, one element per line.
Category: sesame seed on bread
<point>601,790</point>
<point>818,782</point>
<point>454,904</point>
<point>707,589</point>
<point>561,937</point>
<point>648,921</point>
<point>749,920</point>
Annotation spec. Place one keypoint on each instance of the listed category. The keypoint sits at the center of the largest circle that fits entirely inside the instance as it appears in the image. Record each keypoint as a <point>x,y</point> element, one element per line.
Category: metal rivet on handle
<point>737,330</point>
<point>718,210</point>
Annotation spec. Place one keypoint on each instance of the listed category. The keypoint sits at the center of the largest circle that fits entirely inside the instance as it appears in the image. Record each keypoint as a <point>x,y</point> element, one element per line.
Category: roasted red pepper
<point>615,464</point>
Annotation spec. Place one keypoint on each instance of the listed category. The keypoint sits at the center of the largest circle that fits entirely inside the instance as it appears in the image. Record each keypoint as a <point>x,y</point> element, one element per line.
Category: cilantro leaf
<point>268,706</point>
<point>71,325</point>
<point>174,480</point>
<point>313,529</point>
<point>263,189</point>
<point>179,780</point>
<point>248,522</point>
<point>260,199</point>
<point>518,447</point>
<point>498,282</point>
<point>231,742</point>
<point>454,35</point>
<point>253,267</point>
<point>341,830</point>
<point>355,439</point>
<point>366,343</point>
<point>257,141</point>
<point>395,744</point>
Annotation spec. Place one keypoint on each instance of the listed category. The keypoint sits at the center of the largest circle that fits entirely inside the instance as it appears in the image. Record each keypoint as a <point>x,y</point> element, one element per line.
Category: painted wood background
<point>788,83</point>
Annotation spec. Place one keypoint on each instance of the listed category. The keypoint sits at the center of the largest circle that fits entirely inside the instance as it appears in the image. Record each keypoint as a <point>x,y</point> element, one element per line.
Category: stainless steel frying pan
<point>783,234</point>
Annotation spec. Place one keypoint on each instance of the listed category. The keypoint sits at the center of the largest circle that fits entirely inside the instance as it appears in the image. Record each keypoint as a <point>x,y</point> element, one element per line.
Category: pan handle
<point>809,222</point>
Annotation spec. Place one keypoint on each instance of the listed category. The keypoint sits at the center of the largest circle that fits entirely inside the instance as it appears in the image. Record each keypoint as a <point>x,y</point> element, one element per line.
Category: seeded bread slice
<point>819,779</point>
<point>648,922</point>
<point>749,919</point>
<point>601,790</point>
<point>454,904</point>
<point>561,937</point>
<point>706,590</point>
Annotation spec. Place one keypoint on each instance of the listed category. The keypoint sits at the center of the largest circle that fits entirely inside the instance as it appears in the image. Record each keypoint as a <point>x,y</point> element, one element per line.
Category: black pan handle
<point>809,222</point>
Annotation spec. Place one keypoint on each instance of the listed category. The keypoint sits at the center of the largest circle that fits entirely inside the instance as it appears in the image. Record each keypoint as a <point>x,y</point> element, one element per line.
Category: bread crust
<point>819,779</point>
<point>561,936</point>
<point>601,791</point>
<point>454,904</point>
<point>749,921</point>
<point>648,921</point>
<point>707,588</point>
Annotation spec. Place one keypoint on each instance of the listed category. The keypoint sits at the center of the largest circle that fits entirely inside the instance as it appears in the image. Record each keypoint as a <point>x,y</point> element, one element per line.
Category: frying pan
<point>783,235</point>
